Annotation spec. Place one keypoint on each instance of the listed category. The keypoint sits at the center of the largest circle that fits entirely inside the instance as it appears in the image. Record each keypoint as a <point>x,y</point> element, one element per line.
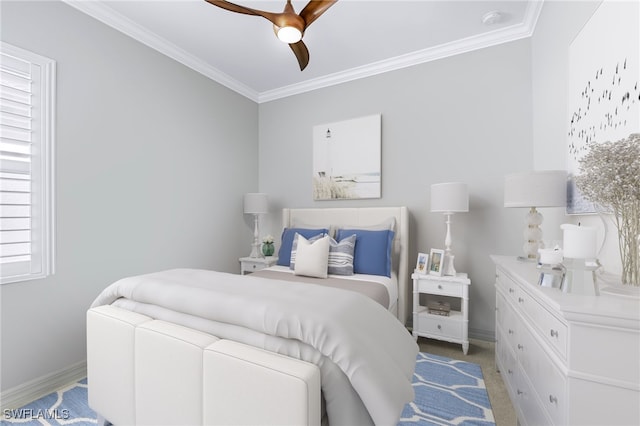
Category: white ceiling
<point>353,39</point>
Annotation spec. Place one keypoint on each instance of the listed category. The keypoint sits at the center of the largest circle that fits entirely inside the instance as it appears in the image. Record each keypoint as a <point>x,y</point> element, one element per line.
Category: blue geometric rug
<point>448,392</point>
<point>67,406</point>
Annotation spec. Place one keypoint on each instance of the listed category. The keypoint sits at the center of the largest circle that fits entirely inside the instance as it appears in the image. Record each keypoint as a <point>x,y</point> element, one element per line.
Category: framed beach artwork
<point>346,159</point>
<point>422,263</point>
<point>604,87</point>
<point>436,263</point>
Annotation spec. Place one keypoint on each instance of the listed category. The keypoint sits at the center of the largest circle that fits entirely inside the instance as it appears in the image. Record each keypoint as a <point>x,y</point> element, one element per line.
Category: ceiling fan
<point>288,26</point>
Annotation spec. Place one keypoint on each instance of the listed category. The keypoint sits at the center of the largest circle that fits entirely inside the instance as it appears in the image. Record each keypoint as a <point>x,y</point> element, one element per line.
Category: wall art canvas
<point>346,159</point>
<point>604,87</point>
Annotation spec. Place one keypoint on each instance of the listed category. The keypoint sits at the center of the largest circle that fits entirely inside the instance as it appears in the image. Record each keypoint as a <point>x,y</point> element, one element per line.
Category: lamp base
<point>255,251</point>
<point>255,246</point>
<point>449,270</point>
<point>532,234</point>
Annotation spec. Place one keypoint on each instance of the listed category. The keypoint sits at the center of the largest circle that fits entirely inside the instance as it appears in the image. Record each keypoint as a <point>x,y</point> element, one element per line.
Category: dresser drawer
<point>450,327</point>
<point>549,327</point>
<point>548,383</point>
<point>441,288</point>
<point>532,412</point>
<point>508,321</point>
<point>506,362</point>
<point>507,286</point>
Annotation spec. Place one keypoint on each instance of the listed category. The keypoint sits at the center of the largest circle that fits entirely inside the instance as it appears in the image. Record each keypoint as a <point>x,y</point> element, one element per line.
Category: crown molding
<point>493,38</point>
<point>108,16</point>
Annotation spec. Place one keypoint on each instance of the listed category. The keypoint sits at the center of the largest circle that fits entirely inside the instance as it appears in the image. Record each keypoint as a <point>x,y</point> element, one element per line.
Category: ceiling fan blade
<point>302,54</point>
<point>314,9</point>
<point>245,10</point>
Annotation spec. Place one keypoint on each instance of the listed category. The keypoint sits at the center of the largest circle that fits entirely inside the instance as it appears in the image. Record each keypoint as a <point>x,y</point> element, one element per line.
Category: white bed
<point>389,284</point>
<point>368,218</point>
<point>231,349</point>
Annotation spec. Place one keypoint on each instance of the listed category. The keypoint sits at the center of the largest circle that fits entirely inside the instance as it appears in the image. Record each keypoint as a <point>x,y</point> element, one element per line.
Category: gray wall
<point>151,159</point>
<point>465,118</point>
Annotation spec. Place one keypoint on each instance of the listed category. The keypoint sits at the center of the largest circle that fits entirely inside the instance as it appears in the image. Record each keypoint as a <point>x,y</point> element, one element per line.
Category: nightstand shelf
<point>253,264</point>
<point>451,328</point>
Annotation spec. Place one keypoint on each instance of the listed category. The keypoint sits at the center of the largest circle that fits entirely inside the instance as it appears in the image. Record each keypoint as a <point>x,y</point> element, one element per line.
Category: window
<point>27,101</point>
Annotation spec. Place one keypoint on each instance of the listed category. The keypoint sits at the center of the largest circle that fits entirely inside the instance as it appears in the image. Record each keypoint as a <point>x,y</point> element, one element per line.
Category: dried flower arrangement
<point>610,177</point>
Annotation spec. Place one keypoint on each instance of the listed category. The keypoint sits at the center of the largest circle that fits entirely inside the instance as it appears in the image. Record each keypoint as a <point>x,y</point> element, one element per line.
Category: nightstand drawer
<point>440,288</point>
<point>254,264</point>
<point>450,327</point>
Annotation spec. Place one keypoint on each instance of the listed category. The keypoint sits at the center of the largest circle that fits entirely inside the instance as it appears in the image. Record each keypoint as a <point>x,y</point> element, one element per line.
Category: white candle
<point>579,241</point>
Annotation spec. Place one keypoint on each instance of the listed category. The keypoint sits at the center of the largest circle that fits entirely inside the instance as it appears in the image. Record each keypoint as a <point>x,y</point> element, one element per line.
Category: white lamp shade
<point>451,197</point>
<point>536,189</point>
<point>256,203</point>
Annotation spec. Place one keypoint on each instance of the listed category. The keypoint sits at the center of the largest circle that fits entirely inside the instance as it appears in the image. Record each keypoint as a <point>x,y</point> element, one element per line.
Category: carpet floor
<point>448,392</point>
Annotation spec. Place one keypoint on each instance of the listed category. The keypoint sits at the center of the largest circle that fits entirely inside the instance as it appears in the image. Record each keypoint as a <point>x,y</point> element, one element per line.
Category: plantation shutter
<point>26,226</point>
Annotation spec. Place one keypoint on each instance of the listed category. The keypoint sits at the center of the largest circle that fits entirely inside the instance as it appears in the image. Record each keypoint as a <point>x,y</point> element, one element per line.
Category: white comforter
<point>366,357</point>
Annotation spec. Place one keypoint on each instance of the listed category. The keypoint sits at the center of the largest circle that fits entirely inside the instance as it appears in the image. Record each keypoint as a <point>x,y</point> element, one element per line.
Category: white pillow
<point>387,224</point>
<point>312,259</point>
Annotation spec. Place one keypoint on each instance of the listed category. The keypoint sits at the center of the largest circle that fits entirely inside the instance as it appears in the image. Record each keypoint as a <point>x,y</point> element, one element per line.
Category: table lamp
<point>449,198</point>
<point>547,188</point>
<point>255,203</point>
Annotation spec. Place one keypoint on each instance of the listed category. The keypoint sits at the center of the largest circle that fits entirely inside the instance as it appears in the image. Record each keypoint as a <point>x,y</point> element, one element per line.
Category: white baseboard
<point>23,394</point>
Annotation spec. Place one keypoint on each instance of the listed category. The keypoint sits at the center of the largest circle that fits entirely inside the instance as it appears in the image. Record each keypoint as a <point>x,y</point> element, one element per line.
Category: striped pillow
<point>341,255</point>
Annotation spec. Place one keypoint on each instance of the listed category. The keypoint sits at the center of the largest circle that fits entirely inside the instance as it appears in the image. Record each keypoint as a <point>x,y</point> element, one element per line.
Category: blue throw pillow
<point>372,253</point>
<point>284,254</point>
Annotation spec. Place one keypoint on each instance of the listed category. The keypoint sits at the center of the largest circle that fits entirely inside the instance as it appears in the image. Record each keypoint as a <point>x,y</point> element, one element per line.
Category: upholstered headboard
<point>366,217</point>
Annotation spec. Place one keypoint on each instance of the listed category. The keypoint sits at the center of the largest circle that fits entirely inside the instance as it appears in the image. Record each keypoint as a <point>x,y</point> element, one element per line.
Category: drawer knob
<point>439,286</point>
<point>510,371</point>
<point>520,299</point>
<point>520,346</point>
<point>510,331</point>
<point>511,290</point>
<point>439,327</point>
<point>519,392</point>
<point>554,333</point>
<point>553,399</point>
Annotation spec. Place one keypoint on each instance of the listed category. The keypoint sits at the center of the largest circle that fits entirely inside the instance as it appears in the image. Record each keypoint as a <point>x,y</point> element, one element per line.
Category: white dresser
<point>566,359</point>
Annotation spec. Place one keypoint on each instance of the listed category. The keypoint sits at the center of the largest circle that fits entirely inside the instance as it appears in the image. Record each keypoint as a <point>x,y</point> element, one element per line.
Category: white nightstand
<point>452,328</point>
<point>253,264</point>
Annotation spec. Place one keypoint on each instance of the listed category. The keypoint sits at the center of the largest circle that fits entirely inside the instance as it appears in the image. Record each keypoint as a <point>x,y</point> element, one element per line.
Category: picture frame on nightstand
<point>436,264</point>
<point>422,263</point>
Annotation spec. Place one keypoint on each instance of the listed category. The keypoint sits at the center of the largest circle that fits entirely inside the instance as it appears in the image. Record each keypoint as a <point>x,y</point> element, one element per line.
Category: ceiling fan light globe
<point>289,35</point>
